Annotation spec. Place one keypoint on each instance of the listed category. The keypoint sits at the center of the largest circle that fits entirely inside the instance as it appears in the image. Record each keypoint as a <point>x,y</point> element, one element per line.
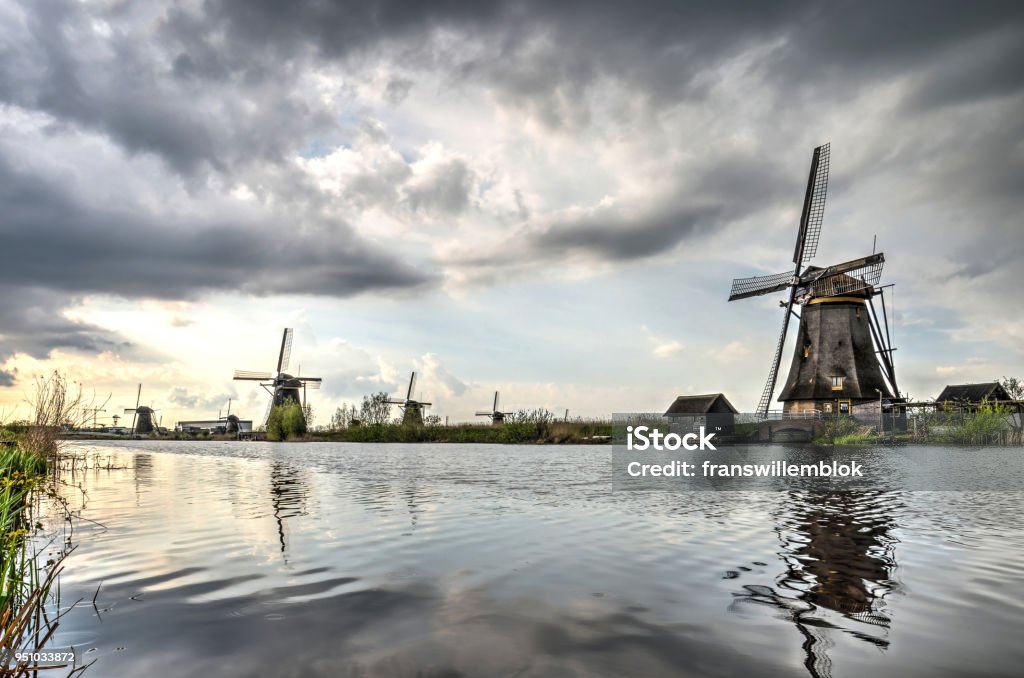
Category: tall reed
<point>28,459</point>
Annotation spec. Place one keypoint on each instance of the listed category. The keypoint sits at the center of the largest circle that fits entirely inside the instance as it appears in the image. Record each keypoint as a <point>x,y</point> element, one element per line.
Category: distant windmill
<point>496,415</point>
<point>412,410</point>
<point>143,419</point>
<point>230,420</point>
<point>843,356</point>
<point>282,386</point>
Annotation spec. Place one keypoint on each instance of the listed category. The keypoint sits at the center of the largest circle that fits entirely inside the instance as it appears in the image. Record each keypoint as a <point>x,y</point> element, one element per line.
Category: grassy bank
<point>987,425</point>
<point>523,433</point>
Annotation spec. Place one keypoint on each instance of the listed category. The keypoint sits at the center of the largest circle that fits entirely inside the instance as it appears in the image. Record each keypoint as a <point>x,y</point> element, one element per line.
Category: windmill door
<point>844,407</point>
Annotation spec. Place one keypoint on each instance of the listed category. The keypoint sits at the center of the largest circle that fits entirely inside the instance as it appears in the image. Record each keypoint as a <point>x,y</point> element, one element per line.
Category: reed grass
<point>30,454</point>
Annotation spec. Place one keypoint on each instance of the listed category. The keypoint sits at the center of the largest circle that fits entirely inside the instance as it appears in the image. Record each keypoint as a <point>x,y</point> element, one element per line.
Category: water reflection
<point>288,493</point>
<point>379,561</point>
<point>838,551</point>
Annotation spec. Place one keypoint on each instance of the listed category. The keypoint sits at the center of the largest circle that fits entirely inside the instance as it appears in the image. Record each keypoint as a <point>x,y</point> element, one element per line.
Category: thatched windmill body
<point>496,415</point>
<point>282,387</point>
<point>412,410</point>
<point>843,355</point>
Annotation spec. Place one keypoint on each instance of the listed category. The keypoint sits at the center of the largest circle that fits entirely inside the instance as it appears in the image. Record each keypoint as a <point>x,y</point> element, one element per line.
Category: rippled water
<point>250,559</point>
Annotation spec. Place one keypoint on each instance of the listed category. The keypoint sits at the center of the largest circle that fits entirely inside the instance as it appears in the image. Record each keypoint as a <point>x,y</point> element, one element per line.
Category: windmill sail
<point>759,284</point>
<point>773,374</point>
<point>412,385</point>
<point>248,375</point>
<point>286,350</point>
<point>847,278</point>
<point>814,207</point>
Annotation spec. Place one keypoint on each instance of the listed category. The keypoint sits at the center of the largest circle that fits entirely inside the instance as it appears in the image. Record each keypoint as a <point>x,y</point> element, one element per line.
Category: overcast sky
<point>547,198</point>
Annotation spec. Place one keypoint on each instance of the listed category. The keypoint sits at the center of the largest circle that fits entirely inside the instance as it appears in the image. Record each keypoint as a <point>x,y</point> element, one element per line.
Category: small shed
<point>713,411</point>
<point>972,395</point>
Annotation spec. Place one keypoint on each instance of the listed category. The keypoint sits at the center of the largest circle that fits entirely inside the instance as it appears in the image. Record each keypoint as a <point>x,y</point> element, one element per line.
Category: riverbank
<point>518,433</point>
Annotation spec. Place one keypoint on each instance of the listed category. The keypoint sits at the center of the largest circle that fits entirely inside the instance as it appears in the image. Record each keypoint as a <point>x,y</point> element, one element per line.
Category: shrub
<point>286,422</point>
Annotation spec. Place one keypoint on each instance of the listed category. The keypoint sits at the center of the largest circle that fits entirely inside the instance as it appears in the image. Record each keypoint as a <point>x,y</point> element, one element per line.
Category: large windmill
<point>496,415</point>
<point>843,356</point>
<point>282,386</point>
<point>412,410</point>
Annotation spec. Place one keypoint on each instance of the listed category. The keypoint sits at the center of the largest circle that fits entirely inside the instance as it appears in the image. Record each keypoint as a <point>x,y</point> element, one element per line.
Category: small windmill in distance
<point>496,415</point>
<point>230,420</point>
<point>143,419</point>
<point>412,410</point>
<point>282,386</point>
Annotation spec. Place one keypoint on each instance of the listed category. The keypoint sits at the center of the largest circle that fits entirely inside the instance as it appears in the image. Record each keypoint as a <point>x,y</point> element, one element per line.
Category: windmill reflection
<point>288,495</point>
<point>838,553</point>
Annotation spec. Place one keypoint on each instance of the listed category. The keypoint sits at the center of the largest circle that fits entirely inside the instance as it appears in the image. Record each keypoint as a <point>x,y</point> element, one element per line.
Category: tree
<point>286,422</point>
<point>375,410</point>
<point>1013,386</point>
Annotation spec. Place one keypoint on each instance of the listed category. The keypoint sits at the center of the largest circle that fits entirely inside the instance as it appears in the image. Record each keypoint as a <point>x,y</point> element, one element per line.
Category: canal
<point>317,559</point>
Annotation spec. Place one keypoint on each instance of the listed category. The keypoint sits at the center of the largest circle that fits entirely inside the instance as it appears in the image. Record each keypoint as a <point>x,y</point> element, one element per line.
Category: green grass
<point>856,439</point>
<point>544,433</point>
<point>24,582</point>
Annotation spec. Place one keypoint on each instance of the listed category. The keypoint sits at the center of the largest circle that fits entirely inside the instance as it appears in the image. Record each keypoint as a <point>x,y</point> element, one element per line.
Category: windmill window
<point>837,383</point>
<point>828,408</point>
<point>807,351</point>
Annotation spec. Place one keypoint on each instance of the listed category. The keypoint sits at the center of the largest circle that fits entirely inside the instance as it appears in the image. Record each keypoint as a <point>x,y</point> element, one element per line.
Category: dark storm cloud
<point>214,87</point>
<point>663,47</point>
<point>54,242</point>
<point>180,106</point>
<point>57,249</point>
<point>705,204</point>
<point>31,324</point>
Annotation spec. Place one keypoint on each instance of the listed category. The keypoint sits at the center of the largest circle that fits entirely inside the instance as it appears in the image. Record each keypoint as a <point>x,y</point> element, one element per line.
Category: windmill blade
<point>857,275</point>
<point>495,408</point>
<point>758,285</point>
<point>484,414</point>
<point>286,350</point>
<point>247,375</point>
<point>845,267</point>
<point>312,385</point>
<point>130,409</point>
<point>814,207</point>
<point>412,385</point>
<point>773,374</point>
<point>424,404</point>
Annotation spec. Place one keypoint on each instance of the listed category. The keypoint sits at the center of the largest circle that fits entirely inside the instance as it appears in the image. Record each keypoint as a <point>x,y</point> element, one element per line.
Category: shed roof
<point>699,404</point>
<point>973,393</point>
